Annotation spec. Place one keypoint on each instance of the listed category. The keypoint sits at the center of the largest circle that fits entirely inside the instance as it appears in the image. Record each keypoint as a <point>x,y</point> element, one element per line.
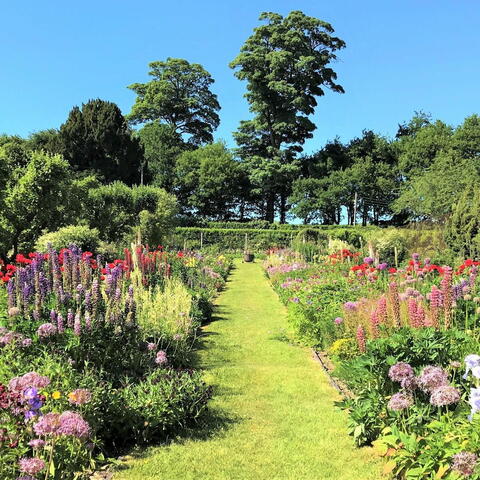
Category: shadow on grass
<point>213,423</point>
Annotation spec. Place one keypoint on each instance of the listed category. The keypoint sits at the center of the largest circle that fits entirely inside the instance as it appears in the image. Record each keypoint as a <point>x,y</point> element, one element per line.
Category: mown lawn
<point>272,416</point>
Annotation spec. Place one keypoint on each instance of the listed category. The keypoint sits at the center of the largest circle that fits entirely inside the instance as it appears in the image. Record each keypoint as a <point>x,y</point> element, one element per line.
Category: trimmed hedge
<point>228,239</point>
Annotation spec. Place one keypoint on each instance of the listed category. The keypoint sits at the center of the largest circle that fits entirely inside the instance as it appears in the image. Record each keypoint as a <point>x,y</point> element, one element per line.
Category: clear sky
<point>400,57</point>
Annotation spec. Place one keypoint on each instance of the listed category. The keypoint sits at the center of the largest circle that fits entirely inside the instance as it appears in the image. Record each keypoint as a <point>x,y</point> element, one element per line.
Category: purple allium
<point>400,401</point>
<point>464,463</point>
<point>350,306</point>
<point>73,424</point>
<point>177,337</point>
<point>382,266</point>
<point>295,300</point>
<point>409,383</point>
<point>444,395</point>
<point>338,320</point>
<point>151,346</point>
<point>31,465</point>
<point>416,257</point>
<point>455,364</point>
<point>29,380</point>
<point>37,443</point>
<point>368,260</point>
<point>26,342</point>
<point>432,378</point>
<point>400,371</point>
<point>161,358</point>
<point>47,425</point>
<point>46,330</point>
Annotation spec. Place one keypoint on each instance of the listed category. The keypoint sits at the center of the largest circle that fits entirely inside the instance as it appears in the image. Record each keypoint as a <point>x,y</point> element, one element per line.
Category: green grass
<point>272,415</point>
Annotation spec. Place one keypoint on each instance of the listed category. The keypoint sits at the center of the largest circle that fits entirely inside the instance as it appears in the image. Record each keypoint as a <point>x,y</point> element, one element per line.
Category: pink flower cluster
<point>29,380</point>
<point>66,423</point>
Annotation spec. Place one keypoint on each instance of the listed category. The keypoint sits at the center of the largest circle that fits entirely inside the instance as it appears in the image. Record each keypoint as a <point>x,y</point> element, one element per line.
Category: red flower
<point>392,270</point>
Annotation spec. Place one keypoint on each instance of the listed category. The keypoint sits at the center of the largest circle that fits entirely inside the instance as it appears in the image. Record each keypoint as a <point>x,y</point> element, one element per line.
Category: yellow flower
<point>56,395</point>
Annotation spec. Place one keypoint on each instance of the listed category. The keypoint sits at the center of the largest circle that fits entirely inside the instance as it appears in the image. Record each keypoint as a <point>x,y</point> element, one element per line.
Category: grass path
<point>272,415</point>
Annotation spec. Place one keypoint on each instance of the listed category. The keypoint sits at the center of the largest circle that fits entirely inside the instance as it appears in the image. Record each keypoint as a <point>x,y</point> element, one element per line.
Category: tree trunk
<point>270,208</point>
<point>283,208</point>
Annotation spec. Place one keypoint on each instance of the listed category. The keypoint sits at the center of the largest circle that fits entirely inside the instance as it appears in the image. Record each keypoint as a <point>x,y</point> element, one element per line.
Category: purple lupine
<point>53,316</point>
<point>11,293</point>
<point>77,325</point>
<point>70,318</point>
<point>88,321</point>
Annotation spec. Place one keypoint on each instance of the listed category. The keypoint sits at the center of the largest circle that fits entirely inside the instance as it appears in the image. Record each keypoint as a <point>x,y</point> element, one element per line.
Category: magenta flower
<point>29,380</point>
<point>37,443</point>
<point>338,320</point>
<point>432,378</point>
<point>73,424</point>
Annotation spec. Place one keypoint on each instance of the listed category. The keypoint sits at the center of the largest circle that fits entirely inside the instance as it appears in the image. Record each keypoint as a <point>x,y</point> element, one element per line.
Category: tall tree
<point>179,95</point>
<point>209,181</point>
<point>286,65</point>
<point>96,137</point>
<point>161,145</point>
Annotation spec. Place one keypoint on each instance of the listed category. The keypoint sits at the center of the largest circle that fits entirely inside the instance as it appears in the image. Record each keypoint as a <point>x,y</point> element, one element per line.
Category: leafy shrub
<point>80,235</point>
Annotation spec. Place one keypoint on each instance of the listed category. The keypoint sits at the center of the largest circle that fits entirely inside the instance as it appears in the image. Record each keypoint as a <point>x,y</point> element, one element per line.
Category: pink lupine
<point>362,345</point>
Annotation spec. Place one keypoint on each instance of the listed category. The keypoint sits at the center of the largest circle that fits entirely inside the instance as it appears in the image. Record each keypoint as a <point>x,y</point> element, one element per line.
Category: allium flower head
<point>73,424</point>
<point>161,358</point>
<point>31,465</point>
<point>400,401</point>
<point>29,380</point>
<point>37,443</point>
<point>151,346</point>
<point>432,378</point>
<point>13,311</point>
<point>368,260</point>
<point>338,320</point>
<point>47,425</point>
<point>400,371</point>
<point>46,330</point>
<point>444,395</point>
<point>464,463</point>
<point>351,306</point>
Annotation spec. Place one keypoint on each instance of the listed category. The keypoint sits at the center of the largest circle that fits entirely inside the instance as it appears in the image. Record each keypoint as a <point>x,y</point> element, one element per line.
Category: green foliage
<point>96,138</point>
<point>286,65</point>
<point>80,235</point>
<point>161,145</point>
<point>179,95</point>
<point>115,210</point>
<point>462,232</point>
<point>36,199</point>
<point>207,181</point>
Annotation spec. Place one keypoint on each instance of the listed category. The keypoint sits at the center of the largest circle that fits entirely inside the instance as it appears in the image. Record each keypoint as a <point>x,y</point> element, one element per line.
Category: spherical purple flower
<point>73,424</point>
<point>427,261</point>
<point>338,320</point>
<point>13,311</point>
<point>444,395</point>
<point>46,330</point>
<point>464,463</point>
<point>37,443</point>
<point>368,260</point>
<point>382,266</point>
<point>32,465</point>
<point>151,346</point>
<point>416,257</point>
<point>400,401</point>
<point>432,378</point>
<point>295,300</point>
<point>47,425</point>
<point>400,371</point>
<point>161,358</point>
<point>350,306</point>
<point>409,383</point>
<point>177,337</point>
<point>26,342</point>
<point>30,379</point>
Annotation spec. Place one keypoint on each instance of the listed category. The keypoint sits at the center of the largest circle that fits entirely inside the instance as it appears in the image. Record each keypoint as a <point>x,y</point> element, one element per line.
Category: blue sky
<point>400,57</point>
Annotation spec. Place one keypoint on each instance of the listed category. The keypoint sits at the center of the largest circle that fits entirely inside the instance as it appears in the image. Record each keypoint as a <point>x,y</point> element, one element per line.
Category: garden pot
<point>248,257</point>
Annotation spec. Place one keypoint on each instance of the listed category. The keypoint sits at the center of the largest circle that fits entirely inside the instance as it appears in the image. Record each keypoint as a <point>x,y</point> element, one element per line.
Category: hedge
<point>228,239</point>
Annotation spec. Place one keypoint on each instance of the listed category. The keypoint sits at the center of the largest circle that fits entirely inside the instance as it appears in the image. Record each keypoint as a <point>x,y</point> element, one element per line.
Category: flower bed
<point>398,338</point>
<point>96,357</point>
